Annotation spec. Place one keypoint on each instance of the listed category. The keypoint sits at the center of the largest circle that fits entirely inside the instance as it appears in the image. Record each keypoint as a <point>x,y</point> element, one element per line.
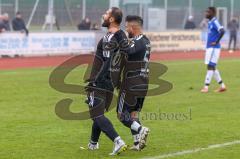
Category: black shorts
<point>99,101</point>
<point>129,103</point>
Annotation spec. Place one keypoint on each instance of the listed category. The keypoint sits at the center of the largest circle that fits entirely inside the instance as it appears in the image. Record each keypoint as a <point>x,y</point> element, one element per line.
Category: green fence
<point>70,12</point>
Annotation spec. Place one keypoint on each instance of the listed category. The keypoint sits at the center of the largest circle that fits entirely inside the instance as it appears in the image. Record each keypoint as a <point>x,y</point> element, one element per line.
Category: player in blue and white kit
<point>213,49</point>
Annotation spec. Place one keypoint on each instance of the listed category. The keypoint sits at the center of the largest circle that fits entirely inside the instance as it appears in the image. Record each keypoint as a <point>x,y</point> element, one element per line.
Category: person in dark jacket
<point>18,24</point>
<point>6,22</point>
<point>85,24</point>
<point>233,30</point>
<point>2,27</point>
<point>190,23</point>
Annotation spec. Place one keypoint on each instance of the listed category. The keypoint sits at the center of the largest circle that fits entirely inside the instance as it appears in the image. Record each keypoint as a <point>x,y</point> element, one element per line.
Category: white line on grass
<point>194,62</point>
<point>185,152</point>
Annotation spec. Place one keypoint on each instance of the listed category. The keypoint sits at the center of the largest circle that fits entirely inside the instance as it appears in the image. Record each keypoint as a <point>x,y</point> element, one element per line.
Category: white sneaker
<point>204,90</point>
<point>92,146</point>
<point>143,134</point>
<point>119,146</point>
<point>135,148</point>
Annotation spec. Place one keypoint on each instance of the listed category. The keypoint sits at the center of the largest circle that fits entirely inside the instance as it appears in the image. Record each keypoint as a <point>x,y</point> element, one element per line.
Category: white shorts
<point>212,56</point>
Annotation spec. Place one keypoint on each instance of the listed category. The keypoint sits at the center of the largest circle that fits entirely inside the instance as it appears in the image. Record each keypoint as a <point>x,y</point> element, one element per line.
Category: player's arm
<point>135,47</point>
<point>123,42</point>
<point>97,64</point>
<point>221,31</point>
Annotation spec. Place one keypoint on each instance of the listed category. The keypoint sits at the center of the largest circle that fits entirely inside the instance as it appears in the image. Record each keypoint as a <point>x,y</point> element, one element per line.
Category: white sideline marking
<point>194,150</point>
<point>193,62</point>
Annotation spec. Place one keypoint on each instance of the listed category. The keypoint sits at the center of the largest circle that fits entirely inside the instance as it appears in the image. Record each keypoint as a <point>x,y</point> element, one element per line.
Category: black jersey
<point>107,63</point>
<point>134,85</point>
<point>138,55</point>
<point>139,49</point>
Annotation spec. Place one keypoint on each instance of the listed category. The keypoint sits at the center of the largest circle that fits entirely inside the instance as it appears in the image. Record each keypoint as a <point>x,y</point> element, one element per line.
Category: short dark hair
<point>117,14</point>
<point>213,9</point>
<point>134,18</point>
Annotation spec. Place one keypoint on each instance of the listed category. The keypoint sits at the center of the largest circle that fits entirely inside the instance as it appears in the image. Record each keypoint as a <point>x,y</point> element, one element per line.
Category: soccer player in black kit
<point>134,85</point>
<point>104,77</point>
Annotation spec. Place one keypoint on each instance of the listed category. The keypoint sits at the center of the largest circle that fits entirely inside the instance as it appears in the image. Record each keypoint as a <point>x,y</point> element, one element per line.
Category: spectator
<point>190,23</point>
<point>18,24</point>
<point>85,24</point>
<point>6,22</point>
<point>233,30</point>
<point>2,27</point>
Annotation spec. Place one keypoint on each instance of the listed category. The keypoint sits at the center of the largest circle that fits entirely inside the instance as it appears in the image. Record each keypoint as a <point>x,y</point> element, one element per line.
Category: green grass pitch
<point>30,129</point>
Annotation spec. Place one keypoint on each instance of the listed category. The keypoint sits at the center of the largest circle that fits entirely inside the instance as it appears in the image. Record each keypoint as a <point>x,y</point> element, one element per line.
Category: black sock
<point>220,82</point>
<point>96,131</point>
<point>126,120</point>
<point>106,126</point>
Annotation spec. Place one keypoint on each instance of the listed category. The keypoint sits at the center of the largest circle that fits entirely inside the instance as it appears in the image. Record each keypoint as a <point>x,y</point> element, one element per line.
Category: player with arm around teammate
<point>130,102</point>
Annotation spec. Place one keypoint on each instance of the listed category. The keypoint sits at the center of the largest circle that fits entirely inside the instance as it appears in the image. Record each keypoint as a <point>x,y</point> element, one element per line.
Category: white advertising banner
<point>44,44</point>
<point>175,41</point>
<point>41,44</point>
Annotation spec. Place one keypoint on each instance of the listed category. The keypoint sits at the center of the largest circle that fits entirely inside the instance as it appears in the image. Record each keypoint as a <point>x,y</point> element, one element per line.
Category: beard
<point>208,16</point>
<point>106,23</point>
